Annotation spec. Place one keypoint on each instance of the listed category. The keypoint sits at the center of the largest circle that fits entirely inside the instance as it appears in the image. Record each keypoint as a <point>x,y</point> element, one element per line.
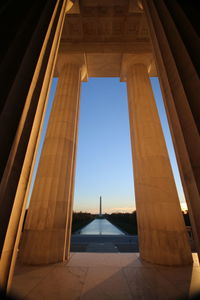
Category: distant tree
<point>125,221</point>
<point>81,219</point>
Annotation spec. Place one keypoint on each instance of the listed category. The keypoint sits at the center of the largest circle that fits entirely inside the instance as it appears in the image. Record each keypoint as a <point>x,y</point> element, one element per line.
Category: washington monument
<point>100,206</point>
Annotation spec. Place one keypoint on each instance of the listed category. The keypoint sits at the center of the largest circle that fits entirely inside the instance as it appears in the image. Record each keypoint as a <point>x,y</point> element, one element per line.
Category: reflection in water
<point>101,226</point>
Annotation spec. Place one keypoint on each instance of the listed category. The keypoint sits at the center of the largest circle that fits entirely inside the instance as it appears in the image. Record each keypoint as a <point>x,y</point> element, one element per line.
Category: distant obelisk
<point>100,207</point>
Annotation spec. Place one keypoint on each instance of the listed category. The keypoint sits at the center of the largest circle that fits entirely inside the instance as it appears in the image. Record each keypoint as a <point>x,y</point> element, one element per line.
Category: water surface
<point>101,226</point>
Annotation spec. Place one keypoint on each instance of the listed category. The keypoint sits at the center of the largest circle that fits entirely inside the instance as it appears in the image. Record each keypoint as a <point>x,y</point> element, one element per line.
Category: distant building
<point>100,207</point>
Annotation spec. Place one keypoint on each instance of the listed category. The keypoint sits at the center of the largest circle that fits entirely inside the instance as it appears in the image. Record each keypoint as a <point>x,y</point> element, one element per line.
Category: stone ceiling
<point>105,30</point>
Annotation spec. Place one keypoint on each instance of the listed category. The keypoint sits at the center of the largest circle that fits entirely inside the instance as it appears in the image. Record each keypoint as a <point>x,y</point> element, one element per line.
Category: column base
<point>165,248</point>
<point>42,247</point>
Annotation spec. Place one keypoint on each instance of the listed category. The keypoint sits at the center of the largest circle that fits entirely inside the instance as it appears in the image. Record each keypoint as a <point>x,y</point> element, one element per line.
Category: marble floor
<point>105,276</point>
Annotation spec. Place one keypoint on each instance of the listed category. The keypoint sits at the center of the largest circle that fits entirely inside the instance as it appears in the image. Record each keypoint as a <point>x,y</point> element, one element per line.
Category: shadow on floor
<point>104,276</point>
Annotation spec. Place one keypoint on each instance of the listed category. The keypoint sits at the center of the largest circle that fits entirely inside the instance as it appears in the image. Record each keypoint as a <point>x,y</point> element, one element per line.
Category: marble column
<point>70,216</point>
<point>44,237</point>
<point>162,233</point>
<point>14,183</point>
<point>171,32</point>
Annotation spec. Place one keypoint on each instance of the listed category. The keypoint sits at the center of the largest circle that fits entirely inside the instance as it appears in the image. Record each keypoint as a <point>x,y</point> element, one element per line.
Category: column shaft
<point>70,214</point>
<point>14,182</point>
<point>162,234</point>
<point>44,236</point>
<point>179,80</point>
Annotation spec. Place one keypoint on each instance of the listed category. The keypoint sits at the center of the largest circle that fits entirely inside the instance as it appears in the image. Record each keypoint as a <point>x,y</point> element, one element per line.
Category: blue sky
<point>104,162</point>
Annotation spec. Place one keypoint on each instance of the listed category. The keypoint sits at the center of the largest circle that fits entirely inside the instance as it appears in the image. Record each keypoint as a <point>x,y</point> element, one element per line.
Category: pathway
<point>102,236</point>
<point>104,243</point>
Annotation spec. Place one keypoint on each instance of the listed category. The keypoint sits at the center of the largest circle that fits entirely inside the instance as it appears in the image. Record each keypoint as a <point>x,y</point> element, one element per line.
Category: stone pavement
<point>104,243</point>
<point>105,276</point>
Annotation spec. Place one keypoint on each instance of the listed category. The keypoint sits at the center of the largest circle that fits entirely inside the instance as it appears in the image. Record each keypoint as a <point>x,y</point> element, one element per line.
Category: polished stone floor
<point>106,276</point>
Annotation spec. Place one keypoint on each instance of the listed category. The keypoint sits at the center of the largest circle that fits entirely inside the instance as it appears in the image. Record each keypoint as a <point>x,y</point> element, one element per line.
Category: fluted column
<point>44,237</point>
<point>14,183</point>
<point>70,215</point>
<point>162,234</point>
<point>177,63</point>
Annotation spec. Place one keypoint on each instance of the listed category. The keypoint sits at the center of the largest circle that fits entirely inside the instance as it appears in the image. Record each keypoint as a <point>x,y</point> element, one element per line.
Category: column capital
<point>74,59</point>
<point>129,60</point>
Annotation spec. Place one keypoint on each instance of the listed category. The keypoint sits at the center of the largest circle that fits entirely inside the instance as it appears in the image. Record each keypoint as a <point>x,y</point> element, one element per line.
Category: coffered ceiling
<point>105,30</point>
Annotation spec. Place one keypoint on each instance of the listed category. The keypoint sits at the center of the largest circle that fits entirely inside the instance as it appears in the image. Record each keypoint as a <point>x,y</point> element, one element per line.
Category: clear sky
<point>104,162</point>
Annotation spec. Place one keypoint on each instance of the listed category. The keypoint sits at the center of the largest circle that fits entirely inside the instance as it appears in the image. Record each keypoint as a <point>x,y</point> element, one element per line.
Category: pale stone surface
<point>104,31</point>
<point>155,287</point>
<point>27,278</point>
<point>69,223</point>
<point>55,287</point>
<point>105,40</point>
<point>106,276</point>
<point>162,233</point>
<point>45,234</point>
<point>104,259</point>
<point>180,86</point>
<point>11,242</point>
<point>109,283</point>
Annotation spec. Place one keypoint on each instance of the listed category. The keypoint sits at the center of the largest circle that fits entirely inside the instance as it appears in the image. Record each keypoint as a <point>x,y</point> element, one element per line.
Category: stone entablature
<point>124,28</point>
<point>106,31</point>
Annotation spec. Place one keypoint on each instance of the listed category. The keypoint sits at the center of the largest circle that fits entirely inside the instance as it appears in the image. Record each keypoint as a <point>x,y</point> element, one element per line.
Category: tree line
<point>127,222</point>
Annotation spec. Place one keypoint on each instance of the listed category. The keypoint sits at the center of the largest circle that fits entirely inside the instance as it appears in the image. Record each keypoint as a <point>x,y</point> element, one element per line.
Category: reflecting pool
<point>101,226</point>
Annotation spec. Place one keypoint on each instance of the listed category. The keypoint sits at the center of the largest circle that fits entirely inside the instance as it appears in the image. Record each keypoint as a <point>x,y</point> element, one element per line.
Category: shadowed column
<point>162,233</point>
<point>70,216</point>
<point>16,175</point>
<point>44,237</point>
<point>178,65</point>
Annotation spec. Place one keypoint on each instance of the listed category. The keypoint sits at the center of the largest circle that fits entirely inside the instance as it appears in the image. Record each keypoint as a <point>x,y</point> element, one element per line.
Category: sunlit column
<point>15,180</point>
<point>162,234</point>
<point>45,233</point>
<point>71,202</point>
<point>69,219</point>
